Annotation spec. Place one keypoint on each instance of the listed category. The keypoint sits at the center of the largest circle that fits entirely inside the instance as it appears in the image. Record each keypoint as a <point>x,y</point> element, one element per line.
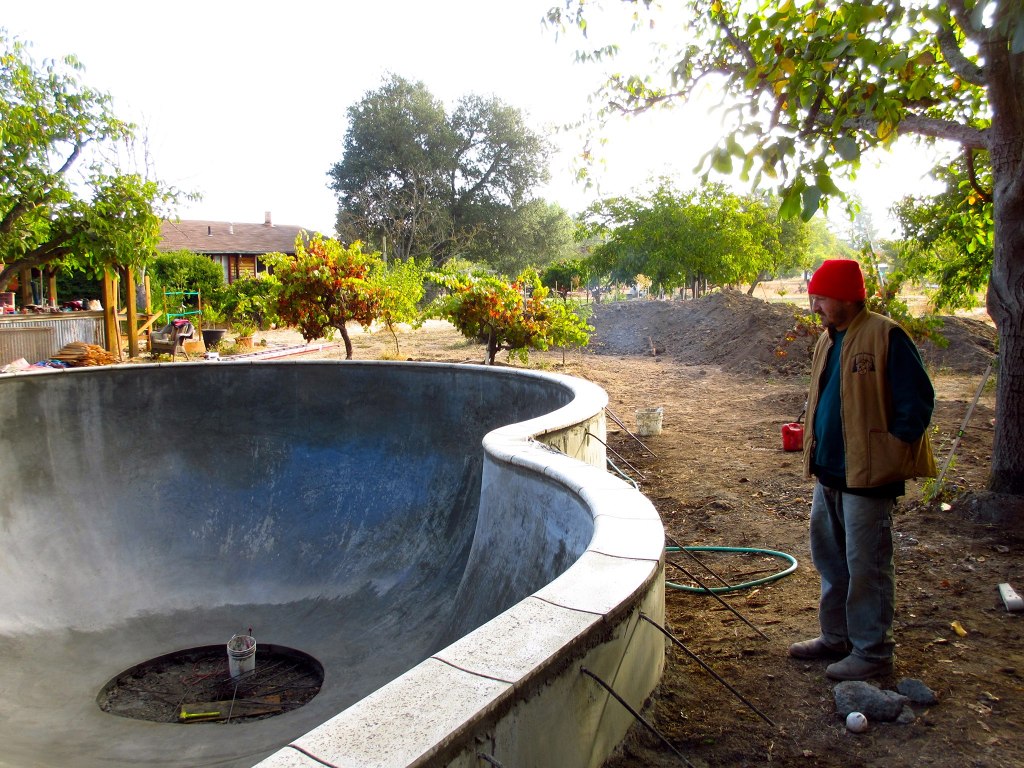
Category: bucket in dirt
<point>793,436</point>
<point>241,655</point>
<point>648,421</point>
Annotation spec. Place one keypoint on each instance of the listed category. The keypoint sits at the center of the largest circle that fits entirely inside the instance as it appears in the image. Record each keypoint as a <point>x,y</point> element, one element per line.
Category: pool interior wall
<point>346,510</point>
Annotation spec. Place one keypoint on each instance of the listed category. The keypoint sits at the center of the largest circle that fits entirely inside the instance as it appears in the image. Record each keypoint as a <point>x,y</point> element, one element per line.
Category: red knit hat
<point>839,279</point>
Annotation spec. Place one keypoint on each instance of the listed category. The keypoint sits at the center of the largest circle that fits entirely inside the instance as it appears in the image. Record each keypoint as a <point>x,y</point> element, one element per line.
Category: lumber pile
<point>78,353</point>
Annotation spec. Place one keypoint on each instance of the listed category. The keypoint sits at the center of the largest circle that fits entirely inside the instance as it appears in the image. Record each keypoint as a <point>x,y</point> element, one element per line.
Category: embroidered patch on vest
<point>863,362</point>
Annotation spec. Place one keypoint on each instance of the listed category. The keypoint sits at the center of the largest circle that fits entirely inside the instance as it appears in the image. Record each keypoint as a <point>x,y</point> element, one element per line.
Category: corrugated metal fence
<point>40,337</point>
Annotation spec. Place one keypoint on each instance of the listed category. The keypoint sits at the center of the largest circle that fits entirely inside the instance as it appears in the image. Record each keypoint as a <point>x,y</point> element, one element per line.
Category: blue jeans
<point>851,547</point>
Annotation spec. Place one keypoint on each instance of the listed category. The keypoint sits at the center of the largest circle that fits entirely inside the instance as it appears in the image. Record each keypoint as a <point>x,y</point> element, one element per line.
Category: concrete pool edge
<point>503,689</point>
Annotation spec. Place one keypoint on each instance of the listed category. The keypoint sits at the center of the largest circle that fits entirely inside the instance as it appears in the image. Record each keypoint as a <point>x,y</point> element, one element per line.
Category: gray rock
<point>916,691</point>
<point>875,704</point>
<point>907,716</point>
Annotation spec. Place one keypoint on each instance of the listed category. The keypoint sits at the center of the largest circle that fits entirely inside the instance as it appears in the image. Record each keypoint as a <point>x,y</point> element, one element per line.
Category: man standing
<point>868,409</point>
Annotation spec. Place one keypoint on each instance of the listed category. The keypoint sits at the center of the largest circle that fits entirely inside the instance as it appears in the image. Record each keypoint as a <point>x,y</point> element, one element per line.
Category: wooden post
<point>113,333</point>
<point>25,287</point>
<point>131,310</point>
<point>51,286</point>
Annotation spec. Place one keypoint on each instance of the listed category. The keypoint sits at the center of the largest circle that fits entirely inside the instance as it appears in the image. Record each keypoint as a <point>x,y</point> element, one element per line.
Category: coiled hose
<point>735,587</point>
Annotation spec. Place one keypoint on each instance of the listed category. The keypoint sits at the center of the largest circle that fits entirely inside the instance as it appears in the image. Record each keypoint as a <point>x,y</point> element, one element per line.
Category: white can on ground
<point>648,421</point>
<point>241,655</point>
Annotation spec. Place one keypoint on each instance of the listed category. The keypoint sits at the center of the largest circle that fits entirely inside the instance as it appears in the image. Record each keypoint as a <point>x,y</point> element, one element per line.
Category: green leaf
<point>748,163</point>
<point>847,148</point>
<point>866,49</point>
<point>874,13</point>
<point>722,162</point>
<point>790,203</point>
<point>811,197</point>
<point>838,50</point>
<point>919,88</point>
<point>826,185</point>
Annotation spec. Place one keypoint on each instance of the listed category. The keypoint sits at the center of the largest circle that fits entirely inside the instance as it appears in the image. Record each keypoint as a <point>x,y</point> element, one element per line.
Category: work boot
<point>857,668</point>
<point>818,649</point>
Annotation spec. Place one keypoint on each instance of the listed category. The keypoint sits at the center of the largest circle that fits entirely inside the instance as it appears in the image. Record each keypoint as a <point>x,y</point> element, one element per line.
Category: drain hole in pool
<point>196,686</point>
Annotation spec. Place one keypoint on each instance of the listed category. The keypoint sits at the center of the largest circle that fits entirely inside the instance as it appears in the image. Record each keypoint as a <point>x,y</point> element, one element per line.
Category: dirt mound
<point>972,344</point>
<point>747,335</point>
<point>731,330</point>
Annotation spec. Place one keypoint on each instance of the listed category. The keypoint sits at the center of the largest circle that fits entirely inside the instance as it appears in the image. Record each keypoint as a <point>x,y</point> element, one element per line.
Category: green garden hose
<point>735,587</point>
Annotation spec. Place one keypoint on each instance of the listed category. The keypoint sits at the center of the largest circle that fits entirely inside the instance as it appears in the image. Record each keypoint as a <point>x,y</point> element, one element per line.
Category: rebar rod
<point>640,718</point>
<point>311,756</point>
<point>618,421</point>
<point>717,597</point>
<point>963,426</point>
<point>699,562</point>
<point>618,455</point>
<point>708,669</point>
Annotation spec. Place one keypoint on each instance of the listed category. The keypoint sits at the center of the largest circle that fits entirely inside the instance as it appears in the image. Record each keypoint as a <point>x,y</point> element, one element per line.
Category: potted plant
<point>243,330</point>
<point>213,325</point>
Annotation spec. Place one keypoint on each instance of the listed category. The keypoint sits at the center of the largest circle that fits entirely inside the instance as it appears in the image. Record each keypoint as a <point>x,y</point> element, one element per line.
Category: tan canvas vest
<point>874,457</point>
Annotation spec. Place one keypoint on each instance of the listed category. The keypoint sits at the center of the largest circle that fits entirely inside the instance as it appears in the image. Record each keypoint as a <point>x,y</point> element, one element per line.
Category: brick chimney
<point>266,219</point>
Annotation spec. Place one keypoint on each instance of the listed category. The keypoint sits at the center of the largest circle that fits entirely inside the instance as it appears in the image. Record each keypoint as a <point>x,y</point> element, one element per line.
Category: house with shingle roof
<point>236,247</point>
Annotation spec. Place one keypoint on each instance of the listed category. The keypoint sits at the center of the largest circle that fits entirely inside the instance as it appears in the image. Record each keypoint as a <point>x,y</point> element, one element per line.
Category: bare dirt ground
<point>718,476</point>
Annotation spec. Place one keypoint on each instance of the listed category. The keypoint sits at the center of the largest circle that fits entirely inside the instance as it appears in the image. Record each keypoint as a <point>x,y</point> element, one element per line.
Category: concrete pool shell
<point>442,538</point>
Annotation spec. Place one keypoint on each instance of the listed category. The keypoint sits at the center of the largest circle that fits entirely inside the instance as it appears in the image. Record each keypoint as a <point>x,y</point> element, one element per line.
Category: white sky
<point>244,102</point>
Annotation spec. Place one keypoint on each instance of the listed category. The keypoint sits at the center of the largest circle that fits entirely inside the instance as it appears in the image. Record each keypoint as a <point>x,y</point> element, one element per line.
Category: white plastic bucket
<point>648,421</point>
<point>241,655</point>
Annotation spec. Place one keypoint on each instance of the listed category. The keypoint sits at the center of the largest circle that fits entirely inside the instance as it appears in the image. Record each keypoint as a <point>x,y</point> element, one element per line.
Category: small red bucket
<point>793,436</point>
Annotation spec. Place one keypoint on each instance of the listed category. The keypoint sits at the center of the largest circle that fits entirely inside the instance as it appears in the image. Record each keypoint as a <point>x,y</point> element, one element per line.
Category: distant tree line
<point>418,181</point>
<point>697,239</point>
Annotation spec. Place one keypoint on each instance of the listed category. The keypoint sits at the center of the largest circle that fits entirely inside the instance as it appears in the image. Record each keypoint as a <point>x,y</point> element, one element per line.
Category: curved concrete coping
<point>513,689</point>
<point>453,595</point>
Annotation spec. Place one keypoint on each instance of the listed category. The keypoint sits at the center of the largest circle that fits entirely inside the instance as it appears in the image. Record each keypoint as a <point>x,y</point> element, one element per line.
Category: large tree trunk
<point>1006,284</point>
<point>1006,306</point>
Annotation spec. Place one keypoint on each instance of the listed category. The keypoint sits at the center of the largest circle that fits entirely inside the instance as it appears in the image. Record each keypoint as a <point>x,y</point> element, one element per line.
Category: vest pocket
<point>889,458</point>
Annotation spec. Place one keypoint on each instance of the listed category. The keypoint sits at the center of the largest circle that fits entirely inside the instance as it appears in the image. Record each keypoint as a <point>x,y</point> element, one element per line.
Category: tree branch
<point>960,65</point>
<point>71,158</point>
<point>649,103</point>
<point>919,125</point>
<point>51,251</point>
<point>18,210</point>
<point>484,179</point>
<point>812,113</point>
<point>972,176</point>
<point>741,47</point>
<point>22,207</point>
<point>963,20</point>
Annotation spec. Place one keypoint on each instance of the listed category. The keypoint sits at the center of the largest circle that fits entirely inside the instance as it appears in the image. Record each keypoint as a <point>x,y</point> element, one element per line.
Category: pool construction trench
<point>443,539</point>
